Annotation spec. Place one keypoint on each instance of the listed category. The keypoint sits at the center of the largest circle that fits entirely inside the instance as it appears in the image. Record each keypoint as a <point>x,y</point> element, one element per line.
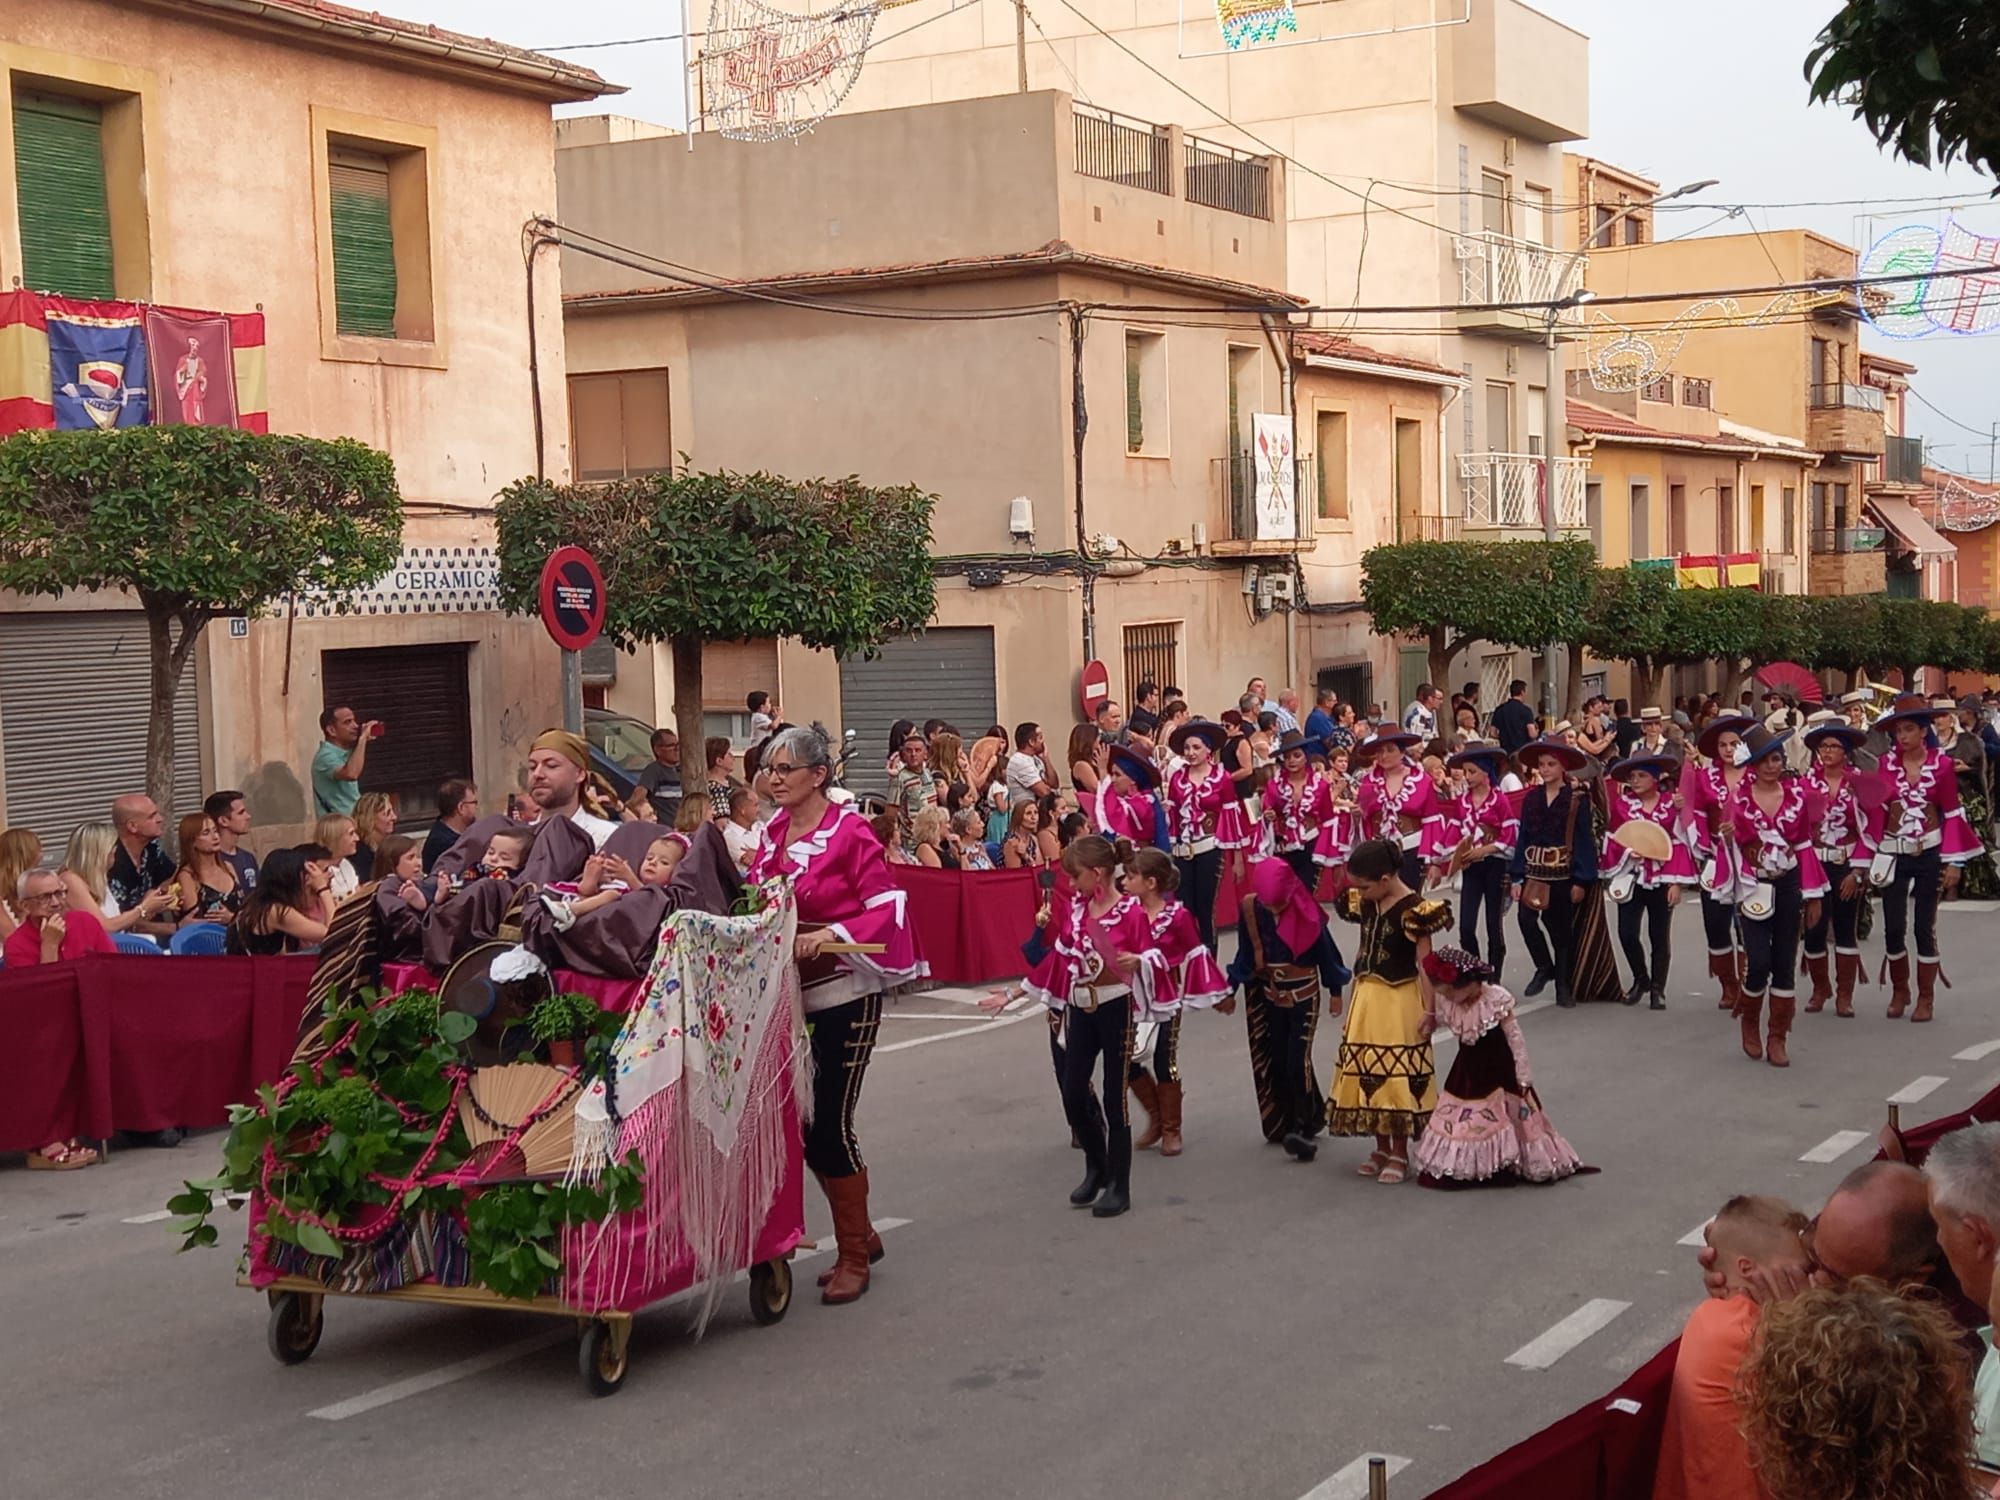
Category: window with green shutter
<point>59,174</point>
<point>364,244</point>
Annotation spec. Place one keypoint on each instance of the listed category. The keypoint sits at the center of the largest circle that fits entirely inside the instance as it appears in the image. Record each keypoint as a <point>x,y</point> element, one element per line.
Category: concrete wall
<point>228,126</point>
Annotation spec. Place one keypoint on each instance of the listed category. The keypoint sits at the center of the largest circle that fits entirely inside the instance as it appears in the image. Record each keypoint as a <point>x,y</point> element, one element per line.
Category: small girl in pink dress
<point>1186,975</point>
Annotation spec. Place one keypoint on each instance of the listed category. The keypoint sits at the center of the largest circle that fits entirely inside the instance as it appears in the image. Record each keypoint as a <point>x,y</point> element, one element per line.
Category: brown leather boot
<point>1722,969</point>
<point>1846,969</point>
<point>849,1198</point>
<point>1782,1007</point>
<point>1899,985</point>
<point>1750,1011</point>
<point>874,1254</point>
<point>1147,1093</point>
<point>1818,966</point>
<point>1927,978</point>
<point>1170,1119</point>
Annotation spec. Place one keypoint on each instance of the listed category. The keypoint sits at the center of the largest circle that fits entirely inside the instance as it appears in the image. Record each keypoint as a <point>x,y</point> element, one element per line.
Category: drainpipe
<point>1079,425</point>
<point>1287,377</point>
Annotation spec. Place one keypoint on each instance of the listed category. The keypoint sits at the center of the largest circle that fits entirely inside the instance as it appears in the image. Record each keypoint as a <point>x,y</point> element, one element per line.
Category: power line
<point>1983,432</point>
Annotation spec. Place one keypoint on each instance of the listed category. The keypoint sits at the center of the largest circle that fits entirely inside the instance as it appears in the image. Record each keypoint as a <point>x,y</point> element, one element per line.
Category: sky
<point>1679,92</point>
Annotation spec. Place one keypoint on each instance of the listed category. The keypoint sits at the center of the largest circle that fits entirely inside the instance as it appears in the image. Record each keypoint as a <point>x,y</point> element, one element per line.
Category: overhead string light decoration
<point>1956,506</point>
<point>768,74</point>
<point>1245,23</point>
<point>1950,304</point>
<point>1622,359</point>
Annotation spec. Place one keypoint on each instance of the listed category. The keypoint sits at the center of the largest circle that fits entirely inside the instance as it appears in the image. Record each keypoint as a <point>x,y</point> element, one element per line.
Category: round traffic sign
<point>572,598</point>
<point>1096,687</point>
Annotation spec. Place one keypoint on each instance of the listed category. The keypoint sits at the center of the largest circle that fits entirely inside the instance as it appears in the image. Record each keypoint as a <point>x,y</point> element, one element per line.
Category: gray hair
<point>21,885</point>
<point>805,746</point>
<point>1964,1169</point>
<point>1249,703</point>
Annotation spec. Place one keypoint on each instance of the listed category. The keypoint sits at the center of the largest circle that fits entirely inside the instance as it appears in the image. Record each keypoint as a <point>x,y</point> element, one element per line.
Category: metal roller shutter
<point>364,244</point>
<point>941,674</point>
<point>65,216</point>
<point>73,712</point>
<point>421,695</point>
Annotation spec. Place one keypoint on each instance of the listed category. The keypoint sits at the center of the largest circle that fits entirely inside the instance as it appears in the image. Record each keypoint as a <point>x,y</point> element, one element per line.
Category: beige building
<point>1425,169</point>
<point>365,183</point>
<point>924,295</point>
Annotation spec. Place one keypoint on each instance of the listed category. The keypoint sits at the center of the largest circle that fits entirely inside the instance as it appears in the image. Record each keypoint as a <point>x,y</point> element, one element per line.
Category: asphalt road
<point>1252,1328</point>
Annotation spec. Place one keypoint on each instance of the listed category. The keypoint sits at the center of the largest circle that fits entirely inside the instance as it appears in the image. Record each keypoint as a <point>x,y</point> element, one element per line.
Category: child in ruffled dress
<point>1191,978</point>
<point>1488,1125</point>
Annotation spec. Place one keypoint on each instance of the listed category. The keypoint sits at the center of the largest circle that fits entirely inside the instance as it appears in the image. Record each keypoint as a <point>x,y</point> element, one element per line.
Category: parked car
<point>620,747</point>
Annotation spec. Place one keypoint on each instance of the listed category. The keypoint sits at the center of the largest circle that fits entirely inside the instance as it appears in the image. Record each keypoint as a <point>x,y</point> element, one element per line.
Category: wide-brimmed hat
<point>1656,765</point>
<point>1719,726</point>
<point>1145,775</point>
<point>1401,738</point>
<point>1298,739</point>
<point>1858,695</point>
<point>1206,730</point>
<point>1759,743</point>
<point>1907,706</point>
<point>1836,729</point>
<point>1481,753</point>
<point>1652,715</point>
<point>1944,705</point>
<point>1570,758</point>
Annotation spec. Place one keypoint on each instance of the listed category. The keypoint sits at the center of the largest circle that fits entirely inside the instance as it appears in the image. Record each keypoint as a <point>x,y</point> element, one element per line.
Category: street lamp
<point>1555,419</point>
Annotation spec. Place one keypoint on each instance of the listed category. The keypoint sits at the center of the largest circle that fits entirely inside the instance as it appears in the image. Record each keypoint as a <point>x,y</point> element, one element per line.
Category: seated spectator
<point>739,830</point>
<point>1858,1393</point>
<point>374,821</point>
<point>928,840</point>
<point>231,816</point>
<point>289,909</point>
<point>139,865</point>
<point>1020,849</point>
<point>968,839</point>
<point>205,887</point>
<point>86,873</point>
<point>661,778</point>
<point>20,852</point>
<point>1702,1452</point>
<point>337,834</point>
<point>457,810</point>
<point>399,868</point>
<point>883,826</point>
<point>1963,1171</point>
<point>46,934</point>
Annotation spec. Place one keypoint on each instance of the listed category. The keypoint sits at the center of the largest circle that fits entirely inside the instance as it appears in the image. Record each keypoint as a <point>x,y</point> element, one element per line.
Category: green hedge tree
<point>1631,619</point>
<point>195,522</point>
<point>1922,75</point>
<point>690,558</point>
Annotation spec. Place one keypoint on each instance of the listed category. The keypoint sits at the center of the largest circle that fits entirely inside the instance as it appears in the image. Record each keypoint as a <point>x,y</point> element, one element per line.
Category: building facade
<point>1062,257</point>
<point>365,184</point>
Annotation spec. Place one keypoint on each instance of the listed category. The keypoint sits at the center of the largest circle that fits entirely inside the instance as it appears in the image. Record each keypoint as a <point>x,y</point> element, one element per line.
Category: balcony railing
<point>1839,395</point>
<point>1236,182</point>
<point>1235,480</point>
<point>1508,491</point>
<point>1422,528</point>
<point>1498,268</point>
<point>1118,148</point>
<point>1903,461</point>
<point>1848,539</point>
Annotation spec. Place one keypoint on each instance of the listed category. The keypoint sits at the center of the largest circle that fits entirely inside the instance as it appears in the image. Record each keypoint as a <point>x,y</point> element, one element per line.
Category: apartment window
<point>65,211</point>
<point>1145,393</point>
<point>1635,230</point>
<point>1695,392</point>
<point>1593,510</point>
<point>1817,373</point>
<point>1822,516</point>
<point>1789,520</point>
<point>1246,395</point>
<point>378,273</point>
<point>1330,464</point>
<point>1601,215</point>
<point>1152,654</point>
<point>1499,417</point>
<point>1535,215</point>
<point>1725,518</point>
<point>1409,478</point>
<point>620,424</point>
<point>1677,519</point>
<point>1641,522</point>
<point>1493,191</point>
<point>1535,419</point>
<point>1757,539</point>
<point>1661,389</point>
<point>1841,520</point>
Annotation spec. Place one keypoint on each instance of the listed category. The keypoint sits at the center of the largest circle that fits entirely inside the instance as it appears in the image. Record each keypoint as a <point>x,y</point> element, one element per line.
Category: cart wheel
<point>294,1329</point>
<point>600,1357</point>
<point>770,1290</point>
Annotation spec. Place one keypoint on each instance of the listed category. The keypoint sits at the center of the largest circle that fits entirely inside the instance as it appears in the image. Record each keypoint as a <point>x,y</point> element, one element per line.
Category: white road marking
<point>958,1017</point>
<point>1919,1090</point>
<point>946,1036</point>
<point>1978,1053</point>
<point>430,1380</point>
<point>1836,1145</point>
<point>1351,1483</point>
<point>962,996</point>
<point>152,1218</point>
<point>1695,1236</point>
<point>1544,1350</point>
<point>1970,908</point>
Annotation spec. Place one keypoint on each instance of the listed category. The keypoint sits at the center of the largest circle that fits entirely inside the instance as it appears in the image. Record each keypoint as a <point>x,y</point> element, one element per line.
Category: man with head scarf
<point>559,783</point>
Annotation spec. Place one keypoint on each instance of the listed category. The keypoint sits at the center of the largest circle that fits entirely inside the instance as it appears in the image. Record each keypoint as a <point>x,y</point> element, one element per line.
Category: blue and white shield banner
<point>97,368</point>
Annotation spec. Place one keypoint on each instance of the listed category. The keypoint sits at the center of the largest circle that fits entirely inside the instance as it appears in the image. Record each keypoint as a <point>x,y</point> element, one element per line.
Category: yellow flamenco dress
<point>1386,1081</point>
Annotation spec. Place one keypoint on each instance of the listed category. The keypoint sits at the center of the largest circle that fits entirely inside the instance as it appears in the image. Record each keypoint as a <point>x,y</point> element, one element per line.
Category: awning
<point>1911,531</point>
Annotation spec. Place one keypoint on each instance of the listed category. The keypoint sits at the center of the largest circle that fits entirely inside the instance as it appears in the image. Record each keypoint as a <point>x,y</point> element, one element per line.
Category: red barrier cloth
<point>121,1042</point>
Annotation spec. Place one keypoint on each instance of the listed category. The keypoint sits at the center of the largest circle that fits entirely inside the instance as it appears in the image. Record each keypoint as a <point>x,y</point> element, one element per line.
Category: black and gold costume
<point>1386,1081</point>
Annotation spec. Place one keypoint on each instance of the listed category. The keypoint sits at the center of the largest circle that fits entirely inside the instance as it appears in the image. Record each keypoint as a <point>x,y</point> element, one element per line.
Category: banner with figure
<point>97,364</point>
<point>196,366</point>
<point>1277,498</point>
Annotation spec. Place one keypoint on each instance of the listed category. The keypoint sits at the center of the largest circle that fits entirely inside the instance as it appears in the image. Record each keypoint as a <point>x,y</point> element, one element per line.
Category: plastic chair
<point>133,942</point>
<point>199,938</point>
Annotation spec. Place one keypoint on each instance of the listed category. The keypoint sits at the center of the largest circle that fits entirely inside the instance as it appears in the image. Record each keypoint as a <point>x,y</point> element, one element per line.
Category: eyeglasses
<point>778,770</point>
<point>45,896</point>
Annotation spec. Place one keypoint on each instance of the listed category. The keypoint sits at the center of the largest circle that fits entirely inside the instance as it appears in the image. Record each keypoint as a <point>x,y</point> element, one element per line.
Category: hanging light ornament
<point>767,74</point>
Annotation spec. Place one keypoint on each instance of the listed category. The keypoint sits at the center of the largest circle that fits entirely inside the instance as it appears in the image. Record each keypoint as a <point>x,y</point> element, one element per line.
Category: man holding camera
<point>340,759</point>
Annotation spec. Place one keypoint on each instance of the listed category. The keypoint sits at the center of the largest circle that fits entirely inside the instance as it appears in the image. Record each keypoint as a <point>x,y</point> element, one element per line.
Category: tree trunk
<point>168,658</point>
<point>687,715</point>
<point>1572,705</point>
<point>1645,684</point>
<point>1441,653</point>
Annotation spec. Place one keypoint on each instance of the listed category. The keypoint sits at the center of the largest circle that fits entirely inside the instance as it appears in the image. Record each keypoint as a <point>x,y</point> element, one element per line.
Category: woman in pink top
<point>1776,818</point>
<point>1924,827</point>
<point>1396,800</point>
<point>1203,817</point>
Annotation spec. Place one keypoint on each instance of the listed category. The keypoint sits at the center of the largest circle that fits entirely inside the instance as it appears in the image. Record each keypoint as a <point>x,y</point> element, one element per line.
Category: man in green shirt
<point>339,761</point>
<point>1963,1172</point>
<point>912,788</point>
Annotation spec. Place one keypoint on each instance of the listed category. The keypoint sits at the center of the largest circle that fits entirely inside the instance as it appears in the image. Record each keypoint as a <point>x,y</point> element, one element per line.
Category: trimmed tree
<point>1518,594</point>
<point>692,558</point>
<point>1631,619</point>
<point>1922,75</point>
<point>195,522</point>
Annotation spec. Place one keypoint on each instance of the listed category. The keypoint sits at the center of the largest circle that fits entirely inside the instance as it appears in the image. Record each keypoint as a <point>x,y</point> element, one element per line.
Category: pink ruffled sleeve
<point>1957,843</point>
<point>883,910</point>
<point>1443,832</point>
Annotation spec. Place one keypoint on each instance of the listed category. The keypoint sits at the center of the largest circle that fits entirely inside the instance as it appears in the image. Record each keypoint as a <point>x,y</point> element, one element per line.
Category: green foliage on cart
<point>374,1125</point>
<point>196,522</point>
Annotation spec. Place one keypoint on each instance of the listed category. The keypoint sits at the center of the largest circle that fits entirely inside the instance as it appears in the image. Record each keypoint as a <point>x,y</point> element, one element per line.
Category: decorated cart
<point>498,1142</point>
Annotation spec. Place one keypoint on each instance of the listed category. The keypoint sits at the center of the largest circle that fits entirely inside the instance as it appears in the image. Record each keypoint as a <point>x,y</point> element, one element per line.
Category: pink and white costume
<point>1922,811</point>
<point>1676,869</point>
<point>1301,811</point>
<point>1708,805</point>
<point>1340,831</point>
<point>1122,817</point>
<point>1847,831</point>
<point>841,883</point>
<point>1382,815</point>
<point>1080,952</point>
<point>1191,976</point>
<point>1496,820</point>
<point>1205,815</point>
<point>1774,845</point>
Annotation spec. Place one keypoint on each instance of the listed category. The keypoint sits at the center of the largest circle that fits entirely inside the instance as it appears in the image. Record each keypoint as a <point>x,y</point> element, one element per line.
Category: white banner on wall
<point>1277,495</point>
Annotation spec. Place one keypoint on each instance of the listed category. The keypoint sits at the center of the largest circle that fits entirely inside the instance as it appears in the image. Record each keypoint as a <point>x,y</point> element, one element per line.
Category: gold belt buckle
<point>1086,1006</point>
